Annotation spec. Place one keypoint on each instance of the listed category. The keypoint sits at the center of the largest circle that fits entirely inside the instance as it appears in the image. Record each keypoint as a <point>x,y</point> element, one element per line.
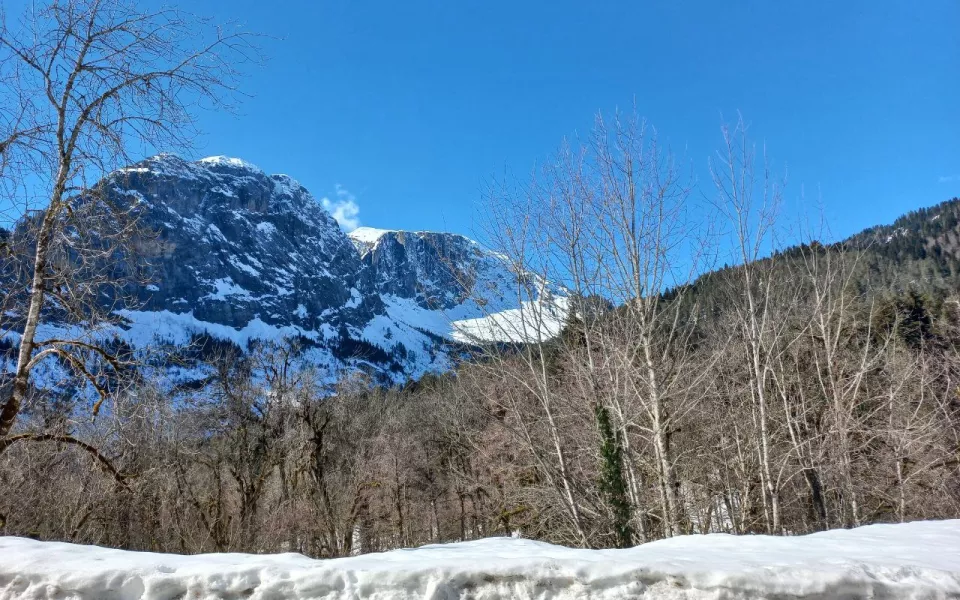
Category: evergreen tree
<point>613,485</point>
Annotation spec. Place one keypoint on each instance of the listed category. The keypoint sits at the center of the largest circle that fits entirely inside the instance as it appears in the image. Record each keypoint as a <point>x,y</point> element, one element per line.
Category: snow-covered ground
<point>914,560</point>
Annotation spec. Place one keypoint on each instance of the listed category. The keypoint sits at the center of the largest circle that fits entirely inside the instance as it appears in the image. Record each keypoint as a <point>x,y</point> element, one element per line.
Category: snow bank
<point>914,560</point>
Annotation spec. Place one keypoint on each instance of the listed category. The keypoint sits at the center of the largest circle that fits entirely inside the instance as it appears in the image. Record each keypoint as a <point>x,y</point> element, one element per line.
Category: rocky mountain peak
<point>437,270</point>
<point>234,244</point>
<point>240,255</point>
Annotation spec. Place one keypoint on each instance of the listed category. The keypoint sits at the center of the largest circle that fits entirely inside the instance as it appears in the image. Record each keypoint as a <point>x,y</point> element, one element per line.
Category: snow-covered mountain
<point>241,255</point>
<point>235,245</point>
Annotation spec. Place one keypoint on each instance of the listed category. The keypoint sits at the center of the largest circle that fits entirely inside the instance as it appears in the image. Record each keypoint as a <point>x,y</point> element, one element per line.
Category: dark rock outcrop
<point>234,244</point>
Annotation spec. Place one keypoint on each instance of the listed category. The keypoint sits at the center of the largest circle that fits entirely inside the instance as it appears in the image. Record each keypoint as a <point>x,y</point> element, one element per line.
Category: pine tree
<point>613,485</point>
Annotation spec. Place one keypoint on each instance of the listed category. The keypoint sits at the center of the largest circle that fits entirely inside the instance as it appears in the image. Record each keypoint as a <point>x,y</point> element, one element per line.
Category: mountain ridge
<point>241,256</point>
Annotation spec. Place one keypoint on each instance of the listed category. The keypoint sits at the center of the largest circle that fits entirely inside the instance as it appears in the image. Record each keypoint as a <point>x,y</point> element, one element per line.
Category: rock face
<point>241,255</point>
<point>234,244</point>
<point>439,271</point>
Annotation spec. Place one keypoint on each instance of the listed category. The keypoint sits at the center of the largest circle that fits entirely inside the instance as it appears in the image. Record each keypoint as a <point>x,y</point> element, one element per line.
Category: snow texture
<point>367,235</point>
<point>913,560</point>
<point>227,161</point>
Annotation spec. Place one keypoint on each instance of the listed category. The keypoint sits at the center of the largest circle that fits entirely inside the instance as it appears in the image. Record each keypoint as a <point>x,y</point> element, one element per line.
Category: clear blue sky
<point>410,105</point>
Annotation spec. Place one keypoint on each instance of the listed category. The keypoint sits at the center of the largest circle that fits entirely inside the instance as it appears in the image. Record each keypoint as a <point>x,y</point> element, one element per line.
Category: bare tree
<point>646,245</point>
<point>750,202</point>
<point>607,222</point>
<point>88,84</point>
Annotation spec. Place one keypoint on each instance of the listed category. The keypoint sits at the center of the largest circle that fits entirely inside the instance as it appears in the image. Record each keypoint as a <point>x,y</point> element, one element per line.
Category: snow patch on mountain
<point>149,328</point>
<point>367,236</point>
<point>533,321</point>
<point>227,161</point>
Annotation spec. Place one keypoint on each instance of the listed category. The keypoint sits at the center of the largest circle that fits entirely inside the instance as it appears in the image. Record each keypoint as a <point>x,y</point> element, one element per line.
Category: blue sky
<point>409,106</point>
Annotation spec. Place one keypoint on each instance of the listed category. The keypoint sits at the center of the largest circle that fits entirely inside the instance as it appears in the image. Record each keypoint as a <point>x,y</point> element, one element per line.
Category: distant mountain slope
<point>447,285</point>
<point>916,259</point>
<point>240,255</point>
<point>921,250</point>
<point>235,245</point>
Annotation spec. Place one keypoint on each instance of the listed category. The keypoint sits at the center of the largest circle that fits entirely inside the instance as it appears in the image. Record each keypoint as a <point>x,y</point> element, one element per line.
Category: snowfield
<point>915,560</point>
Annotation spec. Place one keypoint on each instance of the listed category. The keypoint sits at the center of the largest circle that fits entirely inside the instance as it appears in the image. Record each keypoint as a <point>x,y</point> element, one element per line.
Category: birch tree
<point>90,86</point>
<point>749,203</point>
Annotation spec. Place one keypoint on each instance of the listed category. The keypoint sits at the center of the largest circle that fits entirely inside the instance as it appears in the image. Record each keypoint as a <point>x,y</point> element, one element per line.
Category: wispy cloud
<point>948,178</point>
<point>344,209</point>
